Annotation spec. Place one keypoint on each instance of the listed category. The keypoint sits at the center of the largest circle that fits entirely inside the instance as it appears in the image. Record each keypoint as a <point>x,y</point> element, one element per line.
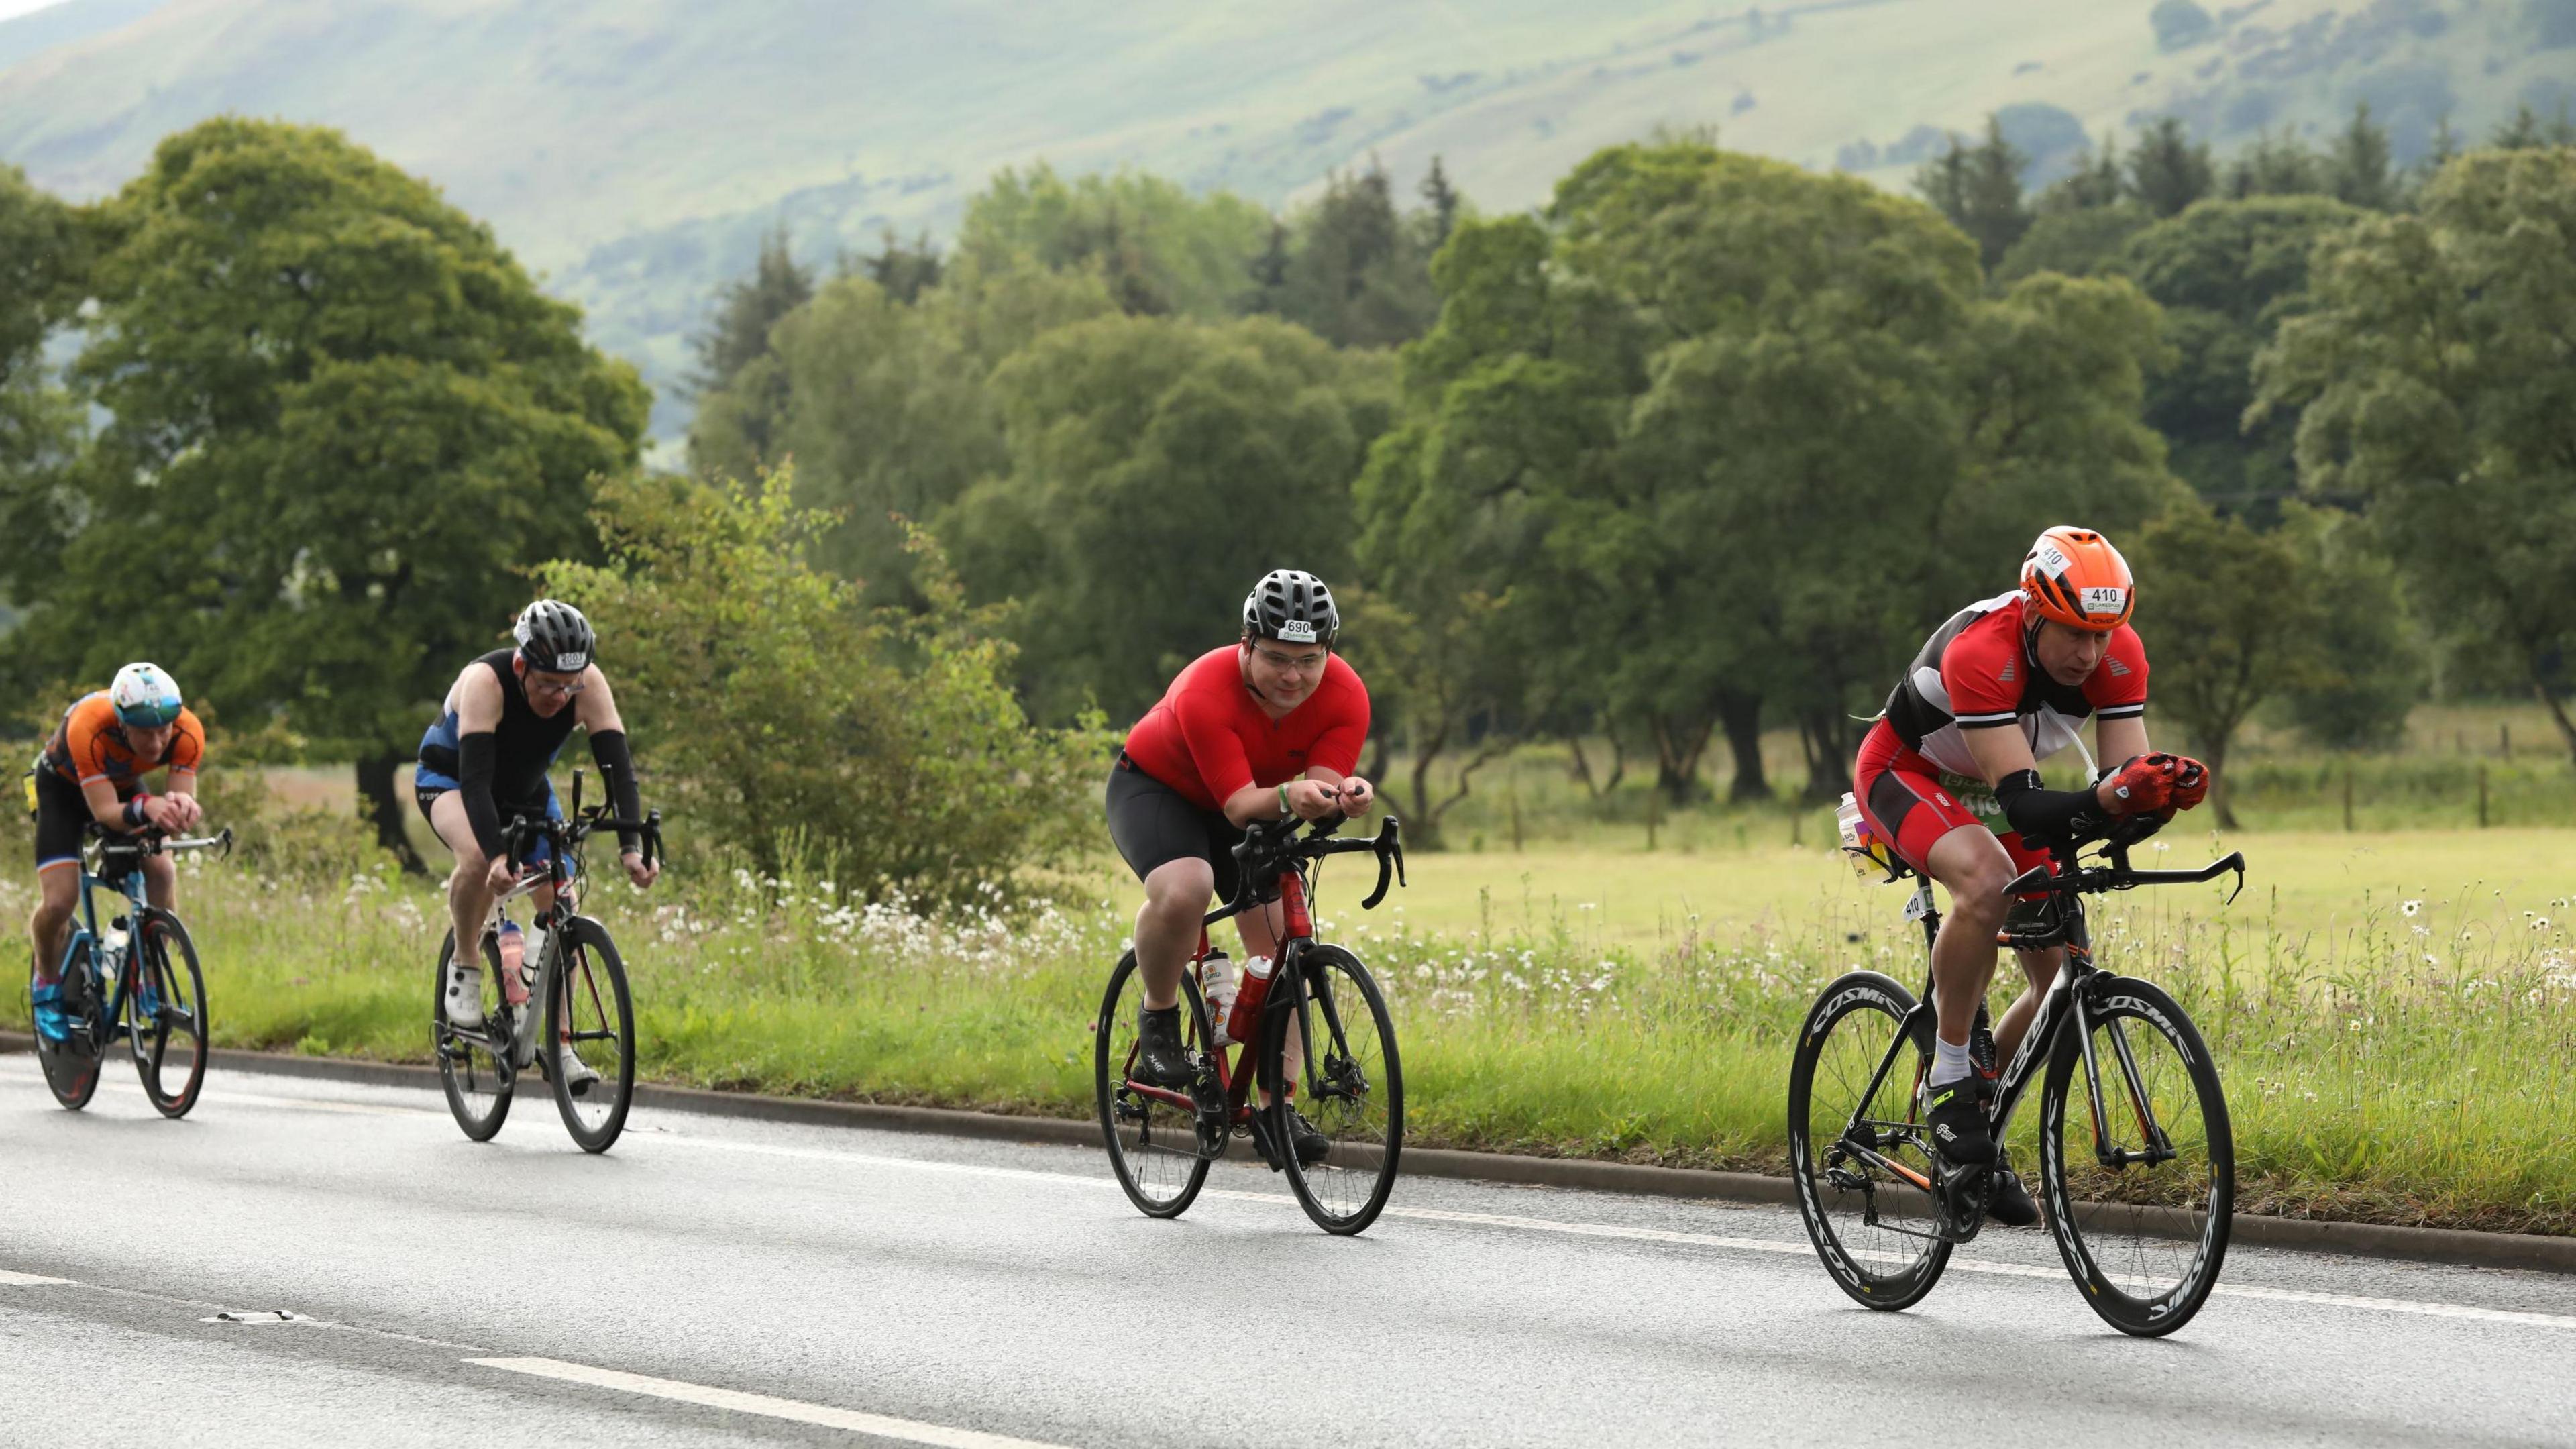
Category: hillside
<point>633,150</point>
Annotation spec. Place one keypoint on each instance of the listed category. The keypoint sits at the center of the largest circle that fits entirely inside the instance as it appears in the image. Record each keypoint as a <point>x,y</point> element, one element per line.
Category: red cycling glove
<point>2143,786</point>
<point>2190,781</point>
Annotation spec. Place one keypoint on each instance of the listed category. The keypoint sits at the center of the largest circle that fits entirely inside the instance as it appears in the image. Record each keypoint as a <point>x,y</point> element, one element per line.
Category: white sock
<point>1949,1063</point>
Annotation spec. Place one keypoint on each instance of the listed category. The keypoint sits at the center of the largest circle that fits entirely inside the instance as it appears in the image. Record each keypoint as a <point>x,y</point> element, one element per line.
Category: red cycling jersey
<point>1976,672</point>
<point>1209,737</point>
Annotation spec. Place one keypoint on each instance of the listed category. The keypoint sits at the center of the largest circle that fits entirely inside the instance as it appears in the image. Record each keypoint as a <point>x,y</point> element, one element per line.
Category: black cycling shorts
<point>62,818</point>
<point>1153,824</point>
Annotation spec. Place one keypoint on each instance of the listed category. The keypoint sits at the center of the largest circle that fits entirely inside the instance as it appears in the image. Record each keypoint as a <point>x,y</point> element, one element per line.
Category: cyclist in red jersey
<point>1267,728</point>
<point>2004,684</point>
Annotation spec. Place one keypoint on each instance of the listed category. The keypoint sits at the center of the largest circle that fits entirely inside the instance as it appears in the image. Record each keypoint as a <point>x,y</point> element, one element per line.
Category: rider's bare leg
<point>2042,968</point>
<point>49,925</point>
<point>1167,926</point>
<point>469,888</point>
<point>1973,865</point>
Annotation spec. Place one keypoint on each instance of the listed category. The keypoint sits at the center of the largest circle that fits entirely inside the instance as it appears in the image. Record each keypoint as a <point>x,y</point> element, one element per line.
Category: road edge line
<point>2536,1251</point>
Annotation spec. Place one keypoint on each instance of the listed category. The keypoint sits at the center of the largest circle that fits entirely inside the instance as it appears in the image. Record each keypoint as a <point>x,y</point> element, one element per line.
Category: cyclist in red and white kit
<point>2004,684</point>
<point>1267,728</point>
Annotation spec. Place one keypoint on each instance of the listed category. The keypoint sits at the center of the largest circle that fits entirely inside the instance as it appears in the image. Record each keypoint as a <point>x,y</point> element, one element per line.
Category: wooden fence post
<point>2482,797</point>
<point>2347,799</point>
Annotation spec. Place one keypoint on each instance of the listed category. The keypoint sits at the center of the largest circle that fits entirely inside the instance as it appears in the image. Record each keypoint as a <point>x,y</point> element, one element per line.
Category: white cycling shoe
<point>465,998</point>
<point>578,1078</point>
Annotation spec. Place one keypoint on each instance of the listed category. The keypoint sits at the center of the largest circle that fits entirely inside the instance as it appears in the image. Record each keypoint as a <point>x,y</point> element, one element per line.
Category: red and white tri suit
<point>1915,779</point>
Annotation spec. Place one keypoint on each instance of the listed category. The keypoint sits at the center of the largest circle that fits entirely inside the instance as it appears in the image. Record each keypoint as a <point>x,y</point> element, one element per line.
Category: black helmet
<point>1292,606</point>
<point>554,637</point>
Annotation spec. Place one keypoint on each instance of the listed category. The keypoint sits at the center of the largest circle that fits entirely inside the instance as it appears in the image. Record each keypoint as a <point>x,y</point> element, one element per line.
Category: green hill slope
<point>634,149</point>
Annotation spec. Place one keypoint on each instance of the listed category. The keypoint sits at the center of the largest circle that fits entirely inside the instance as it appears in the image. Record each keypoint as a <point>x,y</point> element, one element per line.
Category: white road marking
<point>735,1401</point>
<point>2419,1307</point>
<point>31,1280</point>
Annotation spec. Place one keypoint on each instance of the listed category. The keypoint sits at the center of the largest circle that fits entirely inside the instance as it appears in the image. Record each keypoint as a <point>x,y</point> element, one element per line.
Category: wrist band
<point>134,809</point>
<point>1283,800</point>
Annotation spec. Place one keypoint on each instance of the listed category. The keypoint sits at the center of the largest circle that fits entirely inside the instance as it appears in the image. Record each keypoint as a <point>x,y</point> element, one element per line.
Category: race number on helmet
<point>554,637</point>
<point>2074,576</point>
<point>1293,607</point>
<point>144,696</point>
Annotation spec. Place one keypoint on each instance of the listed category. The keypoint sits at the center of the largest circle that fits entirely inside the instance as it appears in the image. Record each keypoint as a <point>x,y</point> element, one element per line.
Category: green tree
<point>2076,243</point>
<point>342,423</point>
<point>1358,275</point>
<point>2430,379</point>
<point>2096,181</point>
<point>738,333</point>
<point>782,717</point>
<point>2167,169</point>
<point>1216,451</point>
<point>41,266</point>
<point>1979,189</point>
<point>1696,389</point>
<point>2370,644</point>
<point>903,271</point>
<point>1155,246</point>
<point>1443,201</point>
<point>2226,274</point>
<point>2232,618</point>
<point>2278,163</point>
<point>2362,169</point>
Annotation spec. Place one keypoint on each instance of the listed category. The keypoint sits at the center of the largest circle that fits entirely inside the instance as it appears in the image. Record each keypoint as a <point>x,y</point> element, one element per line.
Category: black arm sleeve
<point>477,756</point>
<point>617,767</point>
<point>2048,817</point>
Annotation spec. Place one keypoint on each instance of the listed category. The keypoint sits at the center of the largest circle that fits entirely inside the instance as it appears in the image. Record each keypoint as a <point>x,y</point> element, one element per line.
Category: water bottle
<point>112,947</point>
<point>1216,988</point>
<point>1245,1016</point>
<point>514,955</point>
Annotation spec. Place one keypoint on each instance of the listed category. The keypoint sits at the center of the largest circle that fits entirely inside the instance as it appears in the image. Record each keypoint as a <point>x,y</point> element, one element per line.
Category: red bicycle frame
<point>1234,1077</point>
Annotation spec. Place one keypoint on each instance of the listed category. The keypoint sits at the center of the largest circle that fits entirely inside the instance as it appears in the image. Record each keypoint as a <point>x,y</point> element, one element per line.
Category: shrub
<point>775,716</point>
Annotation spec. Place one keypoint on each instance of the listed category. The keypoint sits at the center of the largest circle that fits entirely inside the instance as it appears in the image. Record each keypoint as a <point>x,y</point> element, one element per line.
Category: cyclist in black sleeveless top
<point>484,760</point>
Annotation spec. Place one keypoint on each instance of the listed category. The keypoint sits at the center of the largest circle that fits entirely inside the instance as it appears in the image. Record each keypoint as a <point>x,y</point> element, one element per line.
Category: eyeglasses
<point>552,690</point>
<point>1298,663</point>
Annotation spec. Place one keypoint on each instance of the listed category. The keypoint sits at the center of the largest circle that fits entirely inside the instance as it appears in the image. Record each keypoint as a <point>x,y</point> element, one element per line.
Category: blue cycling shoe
<point>51,1024</point>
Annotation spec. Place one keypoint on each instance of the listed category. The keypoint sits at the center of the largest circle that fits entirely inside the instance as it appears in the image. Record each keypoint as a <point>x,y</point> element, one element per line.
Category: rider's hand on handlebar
<point>638,871</point>
<point>1357,795</point>
<point>1312,799</point>
<point>171,814</point>
<point>2190,781</point>
<point>2143,786</point>
<point>501,877</point>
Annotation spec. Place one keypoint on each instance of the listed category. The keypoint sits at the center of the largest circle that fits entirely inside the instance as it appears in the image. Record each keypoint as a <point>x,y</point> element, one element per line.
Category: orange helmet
<point>2074,576</point>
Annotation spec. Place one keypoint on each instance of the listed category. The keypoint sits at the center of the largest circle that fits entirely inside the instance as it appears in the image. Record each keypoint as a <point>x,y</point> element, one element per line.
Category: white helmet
<point>144,696</point>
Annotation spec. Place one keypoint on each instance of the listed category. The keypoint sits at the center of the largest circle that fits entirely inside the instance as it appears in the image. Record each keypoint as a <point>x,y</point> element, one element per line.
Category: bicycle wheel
<point>590,1015</point>
<point>1856,1145</point>
<point>166,1013</point>
<point>2140,1197</point>
<point>477,1079</point>
<point>1153,1142</point>
<point>1349,1083</point>
<point>71,1065</point>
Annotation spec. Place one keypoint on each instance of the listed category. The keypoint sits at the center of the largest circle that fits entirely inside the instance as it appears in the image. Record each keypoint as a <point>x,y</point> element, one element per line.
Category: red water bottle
<point>514,949</point>
<point>1247,999</point>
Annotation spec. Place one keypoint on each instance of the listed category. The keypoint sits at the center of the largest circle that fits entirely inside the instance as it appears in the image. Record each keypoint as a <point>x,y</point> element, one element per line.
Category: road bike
<point>2138,1180</point>
<point>575,1003</point>
<point>1161,1139</point>
<point>138,981</point>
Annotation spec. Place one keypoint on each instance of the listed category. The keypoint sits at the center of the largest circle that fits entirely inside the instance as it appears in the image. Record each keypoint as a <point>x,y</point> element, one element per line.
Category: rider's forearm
<point>617,766</point>
<point>1254,802</point>
<point>2045,816</point>
<point>476,758</point>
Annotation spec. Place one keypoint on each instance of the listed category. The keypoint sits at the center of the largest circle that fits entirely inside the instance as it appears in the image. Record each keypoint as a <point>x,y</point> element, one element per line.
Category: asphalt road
<point>722,1282</point>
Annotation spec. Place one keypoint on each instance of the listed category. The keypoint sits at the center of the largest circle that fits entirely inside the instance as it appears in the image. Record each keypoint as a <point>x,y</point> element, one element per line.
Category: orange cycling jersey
<point>90,745</point>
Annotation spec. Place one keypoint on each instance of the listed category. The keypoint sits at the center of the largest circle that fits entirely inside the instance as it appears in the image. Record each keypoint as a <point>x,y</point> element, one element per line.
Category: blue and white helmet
<point>144,696</point>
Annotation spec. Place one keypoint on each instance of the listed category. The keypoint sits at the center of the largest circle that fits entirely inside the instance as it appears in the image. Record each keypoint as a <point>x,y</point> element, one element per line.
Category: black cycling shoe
<point>2011,1205</point>
<point>1957,1115</point>
<point>1311,1144</point>
<point>1160,1059</point>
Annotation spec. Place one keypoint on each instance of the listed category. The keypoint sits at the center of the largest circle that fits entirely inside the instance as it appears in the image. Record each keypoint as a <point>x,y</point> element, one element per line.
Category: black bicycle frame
<point>2068,1003</point>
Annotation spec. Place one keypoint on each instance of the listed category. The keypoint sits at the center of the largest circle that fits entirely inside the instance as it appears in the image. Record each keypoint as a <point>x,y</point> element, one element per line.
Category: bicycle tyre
<point>478,1083</point>
<point>1154,1175</point>
<point>1346,1191</point>
<point>590,955</point>
<point>2085,1208</point>
<point>71,1074</point>
<point>1848,1030</point>
<point>168,1004</point>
